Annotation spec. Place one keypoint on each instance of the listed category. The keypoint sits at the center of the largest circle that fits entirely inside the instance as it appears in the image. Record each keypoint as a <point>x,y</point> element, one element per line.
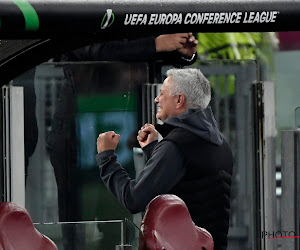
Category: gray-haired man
<point>193,161</point>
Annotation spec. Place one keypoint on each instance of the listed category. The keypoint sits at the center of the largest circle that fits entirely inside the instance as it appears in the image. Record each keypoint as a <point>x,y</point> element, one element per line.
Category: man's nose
<point>156,99</point>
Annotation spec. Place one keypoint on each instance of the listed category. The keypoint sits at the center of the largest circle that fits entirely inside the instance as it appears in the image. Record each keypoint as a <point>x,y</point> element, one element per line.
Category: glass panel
<point>62,180</point>
<point>84,235</point>
<point>132,231</point>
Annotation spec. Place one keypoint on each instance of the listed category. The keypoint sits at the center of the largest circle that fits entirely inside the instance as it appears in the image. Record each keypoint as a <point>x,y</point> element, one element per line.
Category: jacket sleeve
<point>174,58</point>
<point>141,49</point>
<point>162,172</point>
<point>149,148</point>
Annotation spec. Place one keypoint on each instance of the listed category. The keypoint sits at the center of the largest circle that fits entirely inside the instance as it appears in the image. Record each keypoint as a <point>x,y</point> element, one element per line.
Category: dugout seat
<point>17,231</point>
<point>167,224</point>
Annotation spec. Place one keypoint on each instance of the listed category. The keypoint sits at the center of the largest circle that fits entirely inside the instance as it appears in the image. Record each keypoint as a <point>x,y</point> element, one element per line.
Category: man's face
<point>166,103</point>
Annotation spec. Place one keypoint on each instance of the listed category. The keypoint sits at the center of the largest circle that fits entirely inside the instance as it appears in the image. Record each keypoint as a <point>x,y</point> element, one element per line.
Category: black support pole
<point>103,18</point>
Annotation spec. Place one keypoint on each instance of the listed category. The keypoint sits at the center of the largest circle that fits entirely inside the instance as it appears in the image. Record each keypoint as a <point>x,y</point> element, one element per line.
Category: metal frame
<point>13,151</point>
<point>290,201</point>
<point>268,167</point>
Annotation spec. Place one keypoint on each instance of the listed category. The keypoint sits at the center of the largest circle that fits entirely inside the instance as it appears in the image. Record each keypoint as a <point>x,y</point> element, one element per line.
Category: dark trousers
<point>62,148</point>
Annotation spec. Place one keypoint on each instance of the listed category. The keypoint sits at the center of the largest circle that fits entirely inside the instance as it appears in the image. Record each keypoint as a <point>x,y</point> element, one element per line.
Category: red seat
<point>17,231</point>
<point>167,224</point>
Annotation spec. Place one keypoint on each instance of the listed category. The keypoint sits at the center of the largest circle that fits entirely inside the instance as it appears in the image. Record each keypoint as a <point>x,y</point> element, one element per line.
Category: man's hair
<point>192,84</point>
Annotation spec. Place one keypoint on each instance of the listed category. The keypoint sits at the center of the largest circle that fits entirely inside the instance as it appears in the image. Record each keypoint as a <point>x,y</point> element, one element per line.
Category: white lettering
<point>251,16</point>
<point>211,18</point>
<point>139,18</point>
<point>133,19</point>
<point>127,19</point>
<point>144,21</point>
<point>260,17</point>
<point>163,18</point>
<point>166,19</point>
<point>206,15</point>
<point>152,18</point>
<point>227,18</point>
<point>194,18</point>
<point>273,19</point>
<point>239,16</point>
<point>216,18</point>
<point>256,19</point>
<point>179,20</point>
<point>157,19</point>
<point>187,18</point>
<point>245,18</point>
<point>263,17</point>
<point>233,17</point>
<point>201,18</point>
<point>169,18</point>
<point>221,20</point>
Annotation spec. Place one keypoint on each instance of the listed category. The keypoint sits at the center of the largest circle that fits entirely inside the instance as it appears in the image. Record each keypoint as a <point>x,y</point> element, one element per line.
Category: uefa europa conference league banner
<point>55,18</point>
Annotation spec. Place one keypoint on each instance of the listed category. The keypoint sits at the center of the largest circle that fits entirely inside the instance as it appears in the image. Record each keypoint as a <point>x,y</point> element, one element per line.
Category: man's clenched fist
<point>107,141</point>
<point>147,134</point>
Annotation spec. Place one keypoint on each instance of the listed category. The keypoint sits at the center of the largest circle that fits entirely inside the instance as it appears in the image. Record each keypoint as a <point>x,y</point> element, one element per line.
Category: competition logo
<point>108,19</point>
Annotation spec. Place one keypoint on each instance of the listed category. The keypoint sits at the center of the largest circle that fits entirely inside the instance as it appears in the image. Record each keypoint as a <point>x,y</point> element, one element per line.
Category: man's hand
<point>185,43</point>
<point>147,134</point>
<point>107,141</point>
<point>190,47</point>
<point>170,42</point>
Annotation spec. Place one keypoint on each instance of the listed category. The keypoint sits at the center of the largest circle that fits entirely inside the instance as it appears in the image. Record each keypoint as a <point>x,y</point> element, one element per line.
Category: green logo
<point>31,18</point>
<point>106,22</point>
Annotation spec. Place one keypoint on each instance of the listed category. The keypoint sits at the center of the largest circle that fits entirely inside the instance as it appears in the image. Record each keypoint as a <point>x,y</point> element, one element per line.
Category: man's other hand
<point>107,141</point>
<point>190,47</point>
<point>185,43</point>
<point>147,134</point>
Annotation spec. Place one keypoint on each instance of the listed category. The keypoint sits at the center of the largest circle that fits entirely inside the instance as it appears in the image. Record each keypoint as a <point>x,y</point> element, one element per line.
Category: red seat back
<point>167,224</point>
<point>17,231</point>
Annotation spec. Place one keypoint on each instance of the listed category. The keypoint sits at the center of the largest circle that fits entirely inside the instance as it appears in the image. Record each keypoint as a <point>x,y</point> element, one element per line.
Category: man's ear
<point>180,101</point>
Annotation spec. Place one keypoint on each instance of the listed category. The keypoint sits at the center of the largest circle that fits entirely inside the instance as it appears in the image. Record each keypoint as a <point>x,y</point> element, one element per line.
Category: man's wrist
<point>104,156</point>
<point>148,148</point>
<point>106,153</point>
<point>158,47</point>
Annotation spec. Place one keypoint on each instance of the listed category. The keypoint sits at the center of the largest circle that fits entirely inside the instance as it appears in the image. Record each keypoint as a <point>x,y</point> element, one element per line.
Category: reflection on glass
<point>89,235</point>
<point>63,117</point>
<point>62,181</point>
<point>89,125</point>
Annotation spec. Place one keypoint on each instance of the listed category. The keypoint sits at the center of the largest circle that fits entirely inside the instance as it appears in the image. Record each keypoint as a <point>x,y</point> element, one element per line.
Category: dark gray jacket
<point>164,167</point>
